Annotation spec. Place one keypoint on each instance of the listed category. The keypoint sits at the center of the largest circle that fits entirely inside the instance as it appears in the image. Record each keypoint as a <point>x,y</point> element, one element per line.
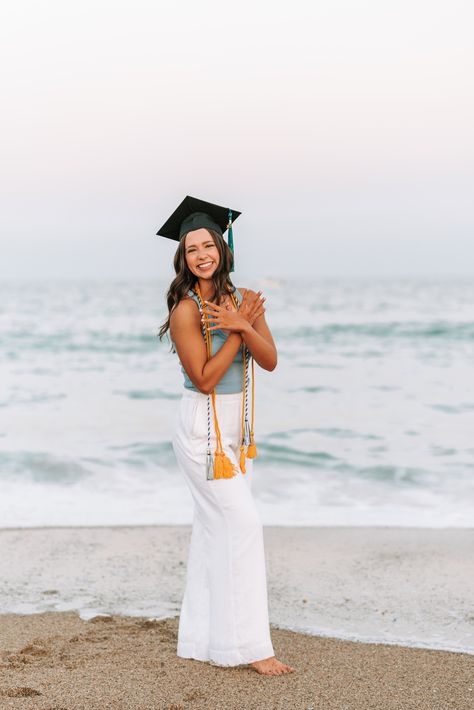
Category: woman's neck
<point>206,288</point>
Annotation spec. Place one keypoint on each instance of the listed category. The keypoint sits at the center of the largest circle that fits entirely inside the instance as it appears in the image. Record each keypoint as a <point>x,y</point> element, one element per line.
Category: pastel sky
<point>342,130</point>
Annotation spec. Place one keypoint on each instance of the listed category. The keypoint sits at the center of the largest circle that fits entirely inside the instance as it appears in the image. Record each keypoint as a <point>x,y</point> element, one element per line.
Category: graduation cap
<point>193,213</point>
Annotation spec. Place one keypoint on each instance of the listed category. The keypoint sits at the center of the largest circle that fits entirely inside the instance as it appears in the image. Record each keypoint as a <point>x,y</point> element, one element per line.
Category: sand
<point>321,578</point>
<point>57,661</point>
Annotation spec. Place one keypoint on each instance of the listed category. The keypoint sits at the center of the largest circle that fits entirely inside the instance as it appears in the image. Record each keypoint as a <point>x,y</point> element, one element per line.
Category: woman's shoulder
<point>184,307</point>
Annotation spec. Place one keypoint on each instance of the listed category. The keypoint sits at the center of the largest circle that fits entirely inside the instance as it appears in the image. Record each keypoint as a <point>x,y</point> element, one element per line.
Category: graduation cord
<point>247,429</point>
<point>244,415</point>
<point>221,466</point>
<point>246,440</point>
<point>209,461</point>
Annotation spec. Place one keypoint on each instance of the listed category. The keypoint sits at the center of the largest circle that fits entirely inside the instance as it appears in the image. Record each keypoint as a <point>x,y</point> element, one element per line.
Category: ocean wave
<point>323,462</point>
<point>38,398</point>
<point>454,409</point>
<point>391,474</point>
<point>148,394</point>
<point>314,390</point>
<point>16,342</point>
<point>327,431</point>
<point>276,453</point>
<point>446,330</point>
<point>42,467</point>
<point>69,341</point>
<point>145,453</point>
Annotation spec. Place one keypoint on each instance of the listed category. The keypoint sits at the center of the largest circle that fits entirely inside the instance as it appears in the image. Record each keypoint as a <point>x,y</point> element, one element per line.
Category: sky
<point>342,130</point>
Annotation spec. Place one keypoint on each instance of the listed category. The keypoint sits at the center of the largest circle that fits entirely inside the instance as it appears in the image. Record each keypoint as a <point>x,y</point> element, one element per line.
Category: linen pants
<point>224,612</point>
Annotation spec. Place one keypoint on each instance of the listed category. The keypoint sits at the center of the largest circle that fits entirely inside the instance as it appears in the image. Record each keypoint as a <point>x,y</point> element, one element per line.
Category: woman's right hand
<point>252,305</point>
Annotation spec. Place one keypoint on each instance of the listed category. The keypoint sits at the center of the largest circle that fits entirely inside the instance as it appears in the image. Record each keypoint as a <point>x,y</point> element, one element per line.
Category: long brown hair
<point>185,280</point>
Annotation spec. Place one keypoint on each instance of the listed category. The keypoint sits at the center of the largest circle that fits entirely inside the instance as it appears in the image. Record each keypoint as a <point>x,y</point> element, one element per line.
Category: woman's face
<point>202,255</point>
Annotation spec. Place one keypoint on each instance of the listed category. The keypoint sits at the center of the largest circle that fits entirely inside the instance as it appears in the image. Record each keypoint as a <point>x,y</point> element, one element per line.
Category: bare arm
<point>249,322</point>
<point>186,333</point>
<point>258,339</point>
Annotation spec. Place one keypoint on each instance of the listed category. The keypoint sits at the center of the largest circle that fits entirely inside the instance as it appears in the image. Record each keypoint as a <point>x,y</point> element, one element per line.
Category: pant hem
<point>232,657</point>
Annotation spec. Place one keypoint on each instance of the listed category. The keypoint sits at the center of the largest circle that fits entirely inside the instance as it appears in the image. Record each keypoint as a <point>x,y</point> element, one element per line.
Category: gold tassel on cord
<point>223,466</point>
<point>242,459</point>
<point>252,450</point>
<point>228,467</point>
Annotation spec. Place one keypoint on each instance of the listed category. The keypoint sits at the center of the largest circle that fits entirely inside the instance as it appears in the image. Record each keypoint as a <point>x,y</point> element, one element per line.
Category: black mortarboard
<point>193,213</point>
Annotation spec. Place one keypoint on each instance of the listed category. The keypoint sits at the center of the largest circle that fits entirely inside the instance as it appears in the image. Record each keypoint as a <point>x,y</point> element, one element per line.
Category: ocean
<point>368,418</point>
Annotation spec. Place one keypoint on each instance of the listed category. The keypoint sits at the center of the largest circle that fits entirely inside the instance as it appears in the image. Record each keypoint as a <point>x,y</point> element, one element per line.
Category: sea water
<point>368,418</point>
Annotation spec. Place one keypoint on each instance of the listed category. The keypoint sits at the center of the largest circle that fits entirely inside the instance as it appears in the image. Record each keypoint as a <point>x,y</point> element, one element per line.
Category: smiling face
<point>201,254</point>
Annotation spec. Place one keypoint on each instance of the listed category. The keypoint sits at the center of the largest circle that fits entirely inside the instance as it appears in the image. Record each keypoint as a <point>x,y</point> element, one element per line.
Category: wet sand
<point>57,661</point>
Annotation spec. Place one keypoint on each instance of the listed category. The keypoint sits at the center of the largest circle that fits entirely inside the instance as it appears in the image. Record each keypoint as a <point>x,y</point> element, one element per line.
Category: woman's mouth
<point>205,266</point>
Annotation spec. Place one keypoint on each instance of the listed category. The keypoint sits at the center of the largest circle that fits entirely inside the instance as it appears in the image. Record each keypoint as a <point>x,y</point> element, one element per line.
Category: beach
<point>335,180</point>
<point>363,481</point>
<point>91,616</point>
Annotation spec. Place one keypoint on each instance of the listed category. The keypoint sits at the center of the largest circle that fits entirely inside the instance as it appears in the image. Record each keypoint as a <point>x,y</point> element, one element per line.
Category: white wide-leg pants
<point>224,612</point>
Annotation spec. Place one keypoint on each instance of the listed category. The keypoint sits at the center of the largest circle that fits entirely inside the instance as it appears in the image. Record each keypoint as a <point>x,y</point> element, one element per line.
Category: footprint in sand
<point>20,692</point>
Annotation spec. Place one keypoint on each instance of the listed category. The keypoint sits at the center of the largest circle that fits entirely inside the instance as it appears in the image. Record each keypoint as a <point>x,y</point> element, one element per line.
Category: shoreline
<point>399,586</point>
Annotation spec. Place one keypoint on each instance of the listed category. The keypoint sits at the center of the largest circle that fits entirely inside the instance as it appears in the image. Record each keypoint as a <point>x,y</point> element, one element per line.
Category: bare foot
<point>271,666</point>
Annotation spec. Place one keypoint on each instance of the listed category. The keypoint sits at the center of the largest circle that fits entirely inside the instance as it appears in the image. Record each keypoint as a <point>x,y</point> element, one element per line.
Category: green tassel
<point>230,238</point>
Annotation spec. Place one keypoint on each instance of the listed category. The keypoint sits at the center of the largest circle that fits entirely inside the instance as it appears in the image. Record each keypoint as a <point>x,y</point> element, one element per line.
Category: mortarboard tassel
<point>230,238</point>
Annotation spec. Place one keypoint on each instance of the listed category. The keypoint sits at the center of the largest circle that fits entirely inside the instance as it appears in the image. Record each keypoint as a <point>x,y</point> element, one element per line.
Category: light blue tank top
<point>232,380</point>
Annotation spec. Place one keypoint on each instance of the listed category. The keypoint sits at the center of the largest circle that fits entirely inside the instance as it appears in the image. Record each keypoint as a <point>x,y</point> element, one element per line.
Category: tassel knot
<point>252,449</point>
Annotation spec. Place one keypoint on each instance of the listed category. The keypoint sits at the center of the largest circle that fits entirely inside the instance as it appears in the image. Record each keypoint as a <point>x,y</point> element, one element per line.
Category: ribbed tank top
<point>232,380</point>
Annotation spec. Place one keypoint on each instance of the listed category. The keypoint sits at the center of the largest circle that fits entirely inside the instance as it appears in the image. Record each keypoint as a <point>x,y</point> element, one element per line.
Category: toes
<point>274,669</point>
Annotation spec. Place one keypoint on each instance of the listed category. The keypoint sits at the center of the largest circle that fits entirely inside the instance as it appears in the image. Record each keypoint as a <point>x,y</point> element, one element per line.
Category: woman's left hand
<point>220,318</point>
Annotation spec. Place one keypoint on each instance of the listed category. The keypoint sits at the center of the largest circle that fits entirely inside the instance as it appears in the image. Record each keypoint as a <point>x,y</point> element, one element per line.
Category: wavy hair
<point>185,280</point>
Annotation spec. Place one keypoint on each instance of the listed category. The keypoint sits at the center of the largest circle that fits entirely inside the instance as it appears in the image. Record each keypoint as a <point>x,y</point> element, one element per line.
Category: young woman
<point>216,329</point>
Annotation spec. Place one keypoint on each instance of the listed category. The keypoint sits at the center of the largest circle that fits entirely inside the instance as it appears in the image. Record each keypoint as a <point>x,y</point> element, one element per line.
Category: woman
<point>224,614</point>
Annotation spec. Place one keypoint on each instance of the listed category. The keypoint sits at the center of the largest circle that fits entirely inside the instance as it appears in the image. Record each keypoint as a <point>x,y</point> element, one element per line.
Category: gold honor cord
<point>222,466</point>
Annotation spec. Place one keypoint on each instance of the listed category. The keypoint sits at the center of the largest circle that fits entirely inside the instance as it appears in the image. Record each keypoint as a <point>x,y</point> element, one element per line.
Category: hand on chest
<point>226,302</point>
